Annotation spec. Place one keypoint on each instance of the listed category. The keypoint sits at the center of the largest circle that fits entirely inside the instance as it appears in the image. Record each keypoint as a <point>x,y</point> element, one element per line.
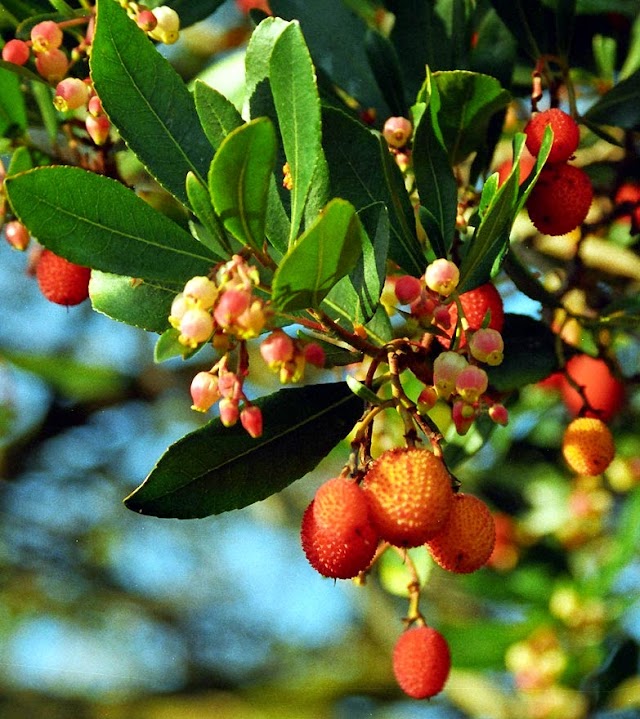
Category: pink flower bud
<point>179,306</point>
<point>231,305</point>
<point>52,65</point>
<point>202,291</point>
<point>71,93</point>
<point>427,399</point>
<point>98,128</point>
<point>471,383</point>
<point>146,20</point>
<point>204,391</point>
<point>95,106</point>
<point>16,52</point>
<point>251,420</point>
<point>229,385</point>
<point>46,36</point>
<point>17,235</point>
<point>314,354</point>
<point>442,276</point>
<point>397,131</point>
<point>250,323</point>
<point>499,414</point>
<point>407,289</point>
<point>446,368</point>
<point>277,348</point>
<point>196,327</point>
<point>442,317</point>
<point>486,345</point>
<point>463,415</point>
<point>229,411</point>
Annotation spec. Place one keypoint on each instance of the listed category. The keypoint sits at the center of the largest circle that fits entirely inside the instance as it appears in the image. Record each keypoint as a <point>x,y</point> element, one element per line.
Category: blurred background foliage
<point>109,615</point>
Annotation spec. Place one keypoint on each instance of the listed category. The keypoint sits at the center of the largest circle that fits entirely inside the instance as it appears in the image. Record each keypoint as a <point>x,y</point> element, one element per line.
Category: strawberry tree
<point>353,227</point>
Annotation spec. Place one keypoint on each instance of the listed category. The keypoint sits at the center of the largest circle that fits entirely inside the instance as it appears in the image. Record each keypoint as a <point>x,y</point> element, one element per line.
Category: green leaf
<point>191,12</point>
<point>239,180</point>
<point>216,469</point>
<point>468,100</point>
<point>98,222</point>
<point>218,115</point>
<point>530,23</point>
<point>211,232</point>
<point>324,254</point>
<point>356,297</point>
<point>619,107</point>
<point>258,55</point>
<point>437,186</point>
<point>72,379</point>
<point>168,347</point>
<point>529,354</point>
<point>13,112</point>
<point>362,171</point>
<point>386,69</point>
<point>147,101</point>
<point>20,161</point>
<point>295,94</point>
<point>141,304</point>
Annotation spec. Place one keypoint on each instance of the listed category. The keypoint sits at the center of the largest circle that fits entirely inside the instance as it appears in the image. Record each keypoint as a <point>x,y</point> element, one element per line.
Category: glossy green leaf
<point>239,180</point>
<point>13,112</point>
<point>211,232</point>
<point>295,94</point>
<point>529,354</point>
<point>362,171</point>
<point>325,253</point>
<point>169,347</point>
<point>218,115</point>
<point>467,100</point>
<point>437,187</point>
<point>215,468</point>
<point>147,101</point>
<point>530,23</point>
<point>385,66</point>
<point>98,222</point>
<point>258,55</point>
<point>125,299</point>
<point>356,296</point>
<point>20,161</point>
<point>619,107</point>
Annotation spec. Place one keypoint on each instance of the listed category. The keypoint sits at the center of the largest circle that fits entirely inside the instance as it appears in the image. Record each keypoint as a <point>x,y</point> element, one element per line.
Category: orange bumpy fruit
<point>566,134</point>
<point>467,539</point>
<point>588,446</point>
<point>409,494</point>
<point>336,534</point>
<point>421,662</point>
<point>61,281</point>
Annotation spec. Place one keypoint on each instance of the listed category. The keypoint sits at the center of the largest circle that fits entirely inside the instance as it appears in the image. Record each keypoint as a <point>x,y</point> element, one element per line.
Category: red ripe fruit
<point>560,199</point>
<point>526,164</point>
<point>336,535</point>
<point>566,134</point>
<point>16,52</point>
<point>421,662</point>
<point>604,392</point>
<point>61,281</point>
<point>476,304</point>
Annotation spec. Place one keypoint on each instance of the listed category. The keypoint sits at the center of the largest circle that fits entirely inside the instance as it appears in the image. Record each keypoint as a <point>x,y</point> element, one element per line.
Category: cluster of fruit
<point>562,195</point>
<point>405,498</point>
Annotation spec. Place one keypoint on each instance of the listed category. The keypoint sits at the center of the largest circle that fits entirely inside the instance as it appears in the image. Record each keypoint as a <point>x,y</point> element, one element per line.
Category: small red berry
<point>566,134</point>
<point>476,304</point>
<point>407,289</point>
<point>560,199</point>
<point>61,281</point>
<point>421,662</point>
<point>605,393</point>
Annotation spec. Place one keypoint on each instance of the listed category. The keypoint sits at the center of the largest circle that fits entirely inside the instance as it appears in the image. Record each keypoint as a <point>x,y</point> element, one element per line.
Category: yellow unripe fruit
<point>468,537</point>
<point>409,494</point>
<point>588,446</point>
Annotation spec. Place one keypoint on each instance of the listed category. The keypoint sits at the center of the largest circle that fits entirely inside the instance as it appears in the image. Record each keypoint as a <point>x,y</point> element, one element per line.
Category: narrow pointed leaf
<point>217,468</point>
<point>239,180</point>
<point>98,222</point>
<point>13,112</point>
<point>218,115</point>
<point>211,232</point>
<point>295,94</point>
<point>324,254</point>
<point>147,101</point>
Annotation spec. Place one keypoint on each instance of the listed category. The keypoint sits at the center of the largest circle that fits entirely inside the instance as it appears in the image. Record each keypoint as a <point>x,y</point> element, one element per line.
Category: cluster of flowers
<point>225,311</point>
<point>469,322</point>
<point>53,62</point>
